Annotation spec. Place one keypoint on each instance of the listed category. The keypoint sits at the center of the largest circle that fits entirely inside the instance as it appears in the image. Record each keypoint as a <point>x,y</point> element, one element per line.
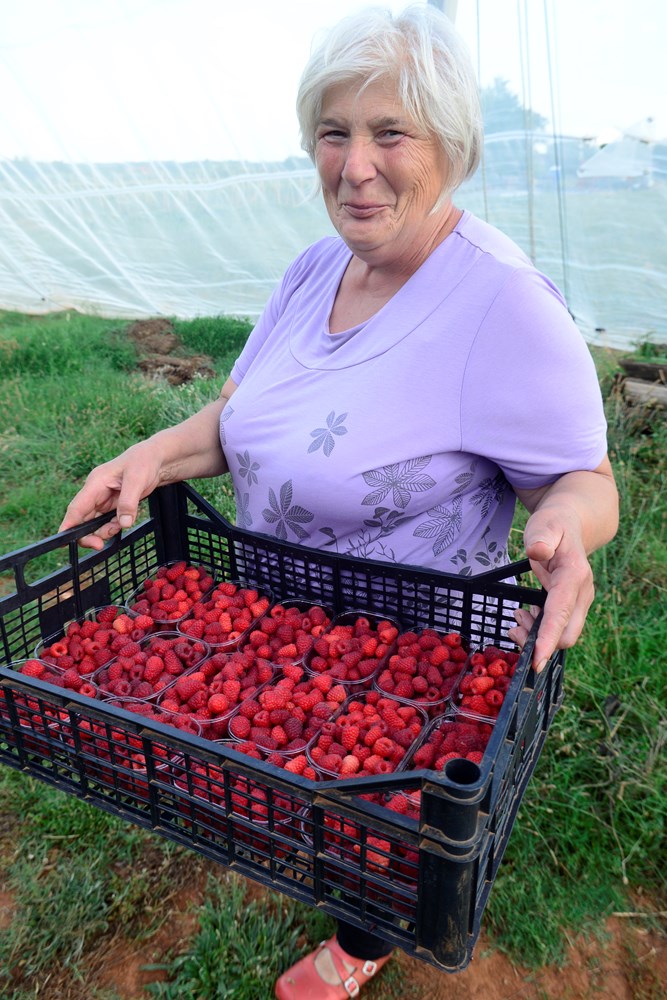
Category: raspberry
<point>349,736</point>
<point>231,690</point>
<point>438,655</point>
<point>369,647</point>
<point>279,735</point>
<point>331,762</point>
<point>240,727</point>
<point>217,704</point>
<point>130,649</point>
<point>249,708</point>
<point>480,685</point>
<point>33,668</point>
<point>72,679</point>
<point>106,615</point>
<point>349,765</point>
<point>465,742</point>
<point>189,684</point>
<point>293,728</point>
<point>193,627</point>
<point>424,756</point>
<point>478,705</point>
<point>498,668</point>
<point>383,747</point>
<point>274,697</point>
<point>373,734</point>
<point>494,698</point>
<point>297,765</point>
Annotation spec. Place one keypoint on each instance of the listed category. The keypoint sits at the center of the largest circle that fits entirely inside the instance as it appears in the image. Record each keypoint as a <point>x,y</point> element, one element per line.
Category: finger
<point>518,635</point>
<point>98,538</point>
<point>133,490</point>
<point>558,611</point>
<point>88,503</point>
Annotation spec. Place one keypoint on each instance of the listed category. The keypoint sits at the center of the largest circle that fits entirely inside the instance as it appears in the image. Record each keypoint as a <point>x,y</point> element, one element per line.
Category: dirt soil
<point>161,353</point>
<point>630,964</point>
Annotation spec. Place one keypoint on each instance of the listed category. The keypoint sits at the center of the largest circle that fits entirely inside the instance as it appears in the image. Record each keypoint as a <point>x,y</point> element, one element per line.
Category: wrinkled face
<point>381,174</point>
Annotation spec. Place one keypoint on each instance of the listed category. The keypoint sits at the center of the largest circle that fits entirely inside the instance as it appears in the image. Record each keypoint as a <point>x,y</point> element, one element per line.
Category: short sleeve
<point>531,397</point>
<point>292,279</point>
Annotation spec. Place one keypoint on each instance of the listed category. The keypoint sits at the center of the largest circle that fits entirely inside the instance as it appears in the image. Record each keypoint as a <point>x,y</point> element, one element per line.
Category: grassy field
<point>590,837</point>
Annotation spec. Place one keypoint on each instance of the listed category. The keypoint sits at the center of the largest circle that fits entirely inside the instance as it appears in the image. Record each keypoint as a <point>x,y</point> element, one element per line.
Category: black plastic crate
<point>421,884</point>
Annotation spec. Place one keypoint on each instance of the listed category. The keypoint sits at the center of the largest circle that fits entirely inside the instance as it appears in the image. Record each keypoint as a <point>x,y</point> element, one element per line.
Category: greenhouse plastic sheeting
<point>150,162</point>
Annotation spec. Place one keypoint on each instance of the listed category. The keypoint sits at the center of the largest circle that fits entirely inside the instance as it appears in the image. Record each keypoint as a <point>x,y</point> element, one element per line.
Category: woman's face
<point>381,174</point>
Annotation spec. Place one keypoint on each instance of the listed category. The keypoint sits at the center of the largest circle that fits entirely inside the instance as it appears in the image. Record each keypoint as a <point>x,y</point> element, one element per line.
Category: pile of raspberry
<point>285,715</point>
<point>371,735</point>
<point>70,679</point>
<point>143,669</point>
<point>424,667</point>
<point>226,615</point>
<point>90,643</point>
<point>287,632</point>
<point>171,592</point>
<point>482,688</point>
<point>210,693</point>
<point>352,649</point>
<point>450,739</point>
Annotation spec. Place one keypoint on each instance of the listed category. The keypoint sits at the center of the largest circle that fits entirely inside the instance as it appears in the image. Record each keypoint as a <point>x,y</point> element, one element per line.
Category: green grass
<point>70,400</point>
<point>240,949</point>
<point>74,872</point>
<point>590,835</point>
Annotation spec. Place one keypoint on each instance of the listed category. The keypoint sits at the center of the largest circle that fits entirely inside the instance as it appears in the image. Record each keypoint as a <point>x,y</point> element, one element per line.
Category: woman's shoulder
<point>492,241</point>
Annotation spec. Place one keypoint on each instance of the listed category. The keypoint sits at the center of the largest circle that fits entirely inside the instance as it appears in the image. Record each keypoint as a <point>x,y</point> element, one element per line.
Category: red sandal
<point>303,981</point>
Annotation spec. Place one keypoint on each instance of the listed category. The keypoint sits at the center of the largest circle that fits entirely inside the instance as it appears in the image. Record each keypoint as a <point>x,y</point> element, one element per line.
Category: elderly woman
<point>415,370</point>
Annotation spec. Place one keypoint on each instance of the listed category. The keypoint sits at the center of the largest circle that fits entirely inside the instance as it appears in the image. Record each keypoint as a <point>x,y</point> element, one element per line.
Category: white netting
<point>150,164</point>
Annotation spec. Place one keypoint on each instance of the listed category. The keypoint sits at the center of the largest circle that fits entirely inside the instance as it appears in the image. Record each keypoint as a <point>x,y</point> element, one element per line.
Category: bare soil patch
<point>161,353</point>
<point>630,963</point>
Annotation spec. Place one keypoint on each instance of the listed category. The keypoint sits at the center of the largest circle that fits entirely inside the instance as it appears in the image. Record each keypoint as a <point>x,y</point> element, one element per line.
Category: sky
<point>133,80</point>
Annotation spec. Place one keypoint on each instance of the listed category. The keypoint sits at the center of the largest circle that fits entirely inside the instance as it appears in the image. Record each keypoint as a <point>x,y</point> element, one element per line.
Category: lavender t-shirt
<point>402,438</point>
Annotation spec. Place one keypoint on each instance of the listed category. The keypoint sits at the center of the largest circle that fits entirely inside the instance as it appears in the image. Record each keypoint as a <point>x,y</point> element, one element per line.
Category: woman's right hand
<point>119,485</point>
<point>189,450</point>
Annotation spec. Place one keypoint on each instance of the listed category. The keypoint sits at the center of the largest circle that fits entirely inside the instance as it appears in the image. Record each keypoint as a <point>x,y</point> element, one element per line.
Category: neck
<point>393,272</point>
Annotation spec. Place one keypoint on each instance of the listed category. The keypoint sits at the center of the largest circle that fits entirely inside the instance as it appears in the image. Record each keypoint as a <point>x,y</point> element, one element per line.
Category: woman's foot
<point>328,973</point>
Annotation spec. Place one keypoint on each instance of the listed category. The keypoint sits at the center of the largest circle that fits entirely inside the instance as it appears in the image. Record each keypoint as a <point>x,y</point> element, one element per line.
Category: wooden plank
<point>644,393</point>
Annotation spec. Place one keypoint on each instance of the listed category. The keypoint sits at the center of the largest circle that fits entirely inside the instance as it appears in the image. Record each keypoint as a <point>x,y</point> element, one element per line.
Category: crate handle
<point>25,554</point>
<point>502,572</point>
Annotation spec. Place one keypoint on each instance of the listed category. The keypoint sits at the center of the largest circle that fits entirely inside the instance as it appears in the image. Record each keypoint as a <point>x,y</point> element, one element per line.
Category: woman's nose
<point>359,163</point>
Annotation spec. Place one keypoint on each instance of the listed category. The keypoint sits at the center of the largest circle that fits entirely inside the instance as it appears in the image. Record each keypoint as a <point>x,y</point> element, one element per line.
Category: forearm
<point>587,501</point>
<point>192,449</point>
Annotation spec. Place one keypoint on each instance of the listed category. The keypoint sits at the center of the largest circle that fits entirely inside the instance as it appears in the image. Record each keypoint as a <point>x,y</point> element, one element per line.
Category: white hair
<point>423,54</point>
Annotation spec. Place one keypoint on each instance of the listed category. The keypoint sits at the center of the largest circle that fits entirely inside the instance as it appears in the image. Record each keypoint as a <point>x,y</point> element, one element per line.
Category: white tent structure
<point>628,159</point>
<point>150,162</point>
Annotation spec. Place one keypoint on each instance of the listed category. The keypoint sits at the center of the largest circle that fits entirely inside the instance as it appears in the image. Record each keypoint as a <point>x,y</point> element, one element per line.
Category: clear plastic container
<point>388,740</point>
<point>424,669</point>
<point>147,598</point>
<point>138,675</point>
<point>237,614</point>
<point>481,688</point>
<point>348,655</point>
<point>453,736</point>
<point>78,646</point>
<point>286,633</point>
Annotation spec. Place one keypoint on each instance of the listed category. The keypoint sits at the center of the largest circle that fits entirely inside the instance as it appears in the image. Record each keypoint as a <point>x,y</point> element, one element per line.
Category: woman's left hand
<point>558,559</point>
<point>568,519</point>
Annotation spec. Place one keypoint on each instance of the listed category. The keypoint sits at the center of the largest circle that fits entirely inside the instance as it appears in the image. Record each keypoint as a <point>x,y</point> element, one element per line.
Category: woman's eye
<point>390,135</point>
<point>333,135</point>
